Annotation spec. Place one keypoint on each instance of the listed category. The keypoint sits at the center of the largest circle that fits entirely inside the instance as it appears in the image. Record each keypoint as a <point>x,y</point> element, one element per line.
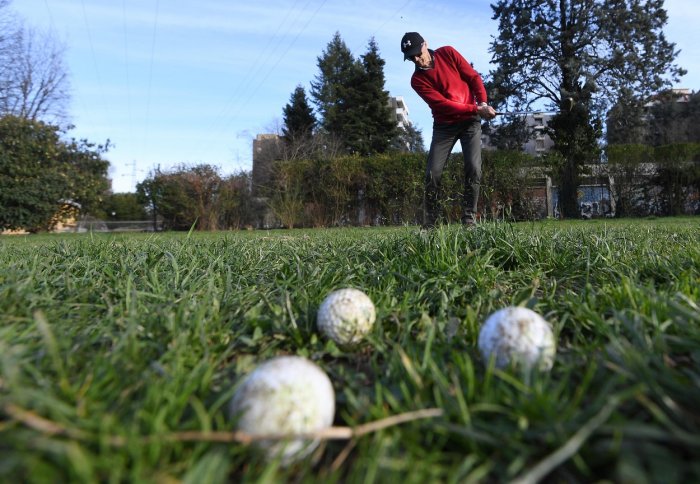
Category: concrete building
<point>540,142</point>
<point>679,95</point>
<point>266,149</point>
<point>398,104</point>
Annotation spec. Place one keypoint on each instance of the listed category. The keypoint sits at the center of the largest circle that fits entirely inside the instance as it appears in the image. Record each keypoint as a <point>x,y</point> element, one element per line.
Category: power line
<point>150,82</point>
<point>279,59</point>
<point>258,85</point>
<point>48,10</point>
<point>240,94</point>
<point>263,58</point>
<point>126,68</point>
<point>130,125</point>
<point>94,59</point>
<point>390,18</point>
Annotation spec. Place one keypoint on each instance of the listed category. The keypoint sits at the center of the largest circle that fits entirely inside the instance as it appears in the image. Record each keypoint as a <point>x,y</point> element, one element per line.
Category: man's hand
<point>485,111</point>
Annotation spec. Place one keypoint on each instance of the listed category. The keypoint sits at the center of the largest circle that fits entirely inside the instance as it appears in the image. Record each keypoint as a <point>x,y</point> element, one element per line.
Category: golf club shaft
<point>523,113</point>
<point>566,104</point>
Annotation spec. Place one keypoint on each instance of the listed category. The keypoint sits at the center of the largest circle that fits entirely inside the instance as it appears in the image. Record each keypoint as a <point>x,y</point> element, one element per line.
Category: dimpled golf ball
<point>346,316</point>
<point>517,336</point>
<point>287,395</point>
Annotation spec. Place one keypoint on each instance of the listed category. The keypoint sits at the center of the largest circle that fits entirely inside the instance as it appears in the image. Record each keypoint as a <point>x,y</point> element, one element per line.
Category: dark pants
<point>445,136</point>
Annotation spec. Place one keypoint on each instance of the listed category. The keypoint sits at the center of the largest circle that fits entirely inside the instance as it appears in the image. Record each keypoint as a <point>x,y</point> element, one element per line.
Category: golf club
<point>567,105</point>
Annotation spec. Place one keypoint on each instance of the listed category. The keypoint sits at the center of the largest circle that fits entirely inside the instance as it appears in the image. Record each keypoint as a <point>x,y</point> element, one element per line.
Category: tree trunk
<point>568,190</point>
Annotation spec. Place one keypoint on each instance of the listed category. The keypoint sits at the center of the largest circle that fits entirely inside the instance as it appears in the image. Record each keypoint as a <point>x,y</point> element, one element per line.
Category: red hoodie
<point>452,88</point>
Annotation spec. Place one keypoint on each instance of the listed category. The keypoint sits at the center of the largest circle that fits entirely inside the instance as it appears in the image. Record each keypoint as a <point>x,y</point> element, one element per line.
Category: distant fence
<point>94,225</point>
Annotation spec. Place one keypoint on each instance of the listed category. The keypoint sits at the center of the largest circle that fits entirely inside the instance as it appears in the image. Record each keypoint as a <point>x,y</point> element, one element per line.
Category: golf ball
<point>346,316</point>
<point>287,395</point>
<point>517,336</point>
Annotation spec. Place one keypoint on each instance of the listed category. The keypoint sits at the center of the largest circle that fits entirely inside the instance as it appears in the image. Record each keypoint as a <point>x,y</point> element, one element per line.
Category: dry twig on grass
<point>45,426</point>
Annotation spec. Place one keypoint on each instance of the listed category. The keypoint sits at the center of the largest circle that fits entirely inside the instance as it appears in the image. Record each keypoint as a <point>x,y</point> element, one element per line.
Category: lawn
<point>119,354</point>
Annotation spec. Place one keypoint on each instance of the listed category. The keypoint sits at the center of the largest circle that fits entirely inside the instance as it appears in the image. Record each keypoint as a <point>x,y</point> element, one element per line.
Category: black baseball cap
<point>411,44</point>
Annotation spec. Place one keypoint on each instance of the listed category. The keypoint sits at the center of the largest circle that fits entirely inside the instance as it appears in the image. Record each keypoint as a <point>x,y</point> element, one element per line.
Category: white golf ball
<point>519,336</point>
<point>287,395</point>
<point>346,316</point>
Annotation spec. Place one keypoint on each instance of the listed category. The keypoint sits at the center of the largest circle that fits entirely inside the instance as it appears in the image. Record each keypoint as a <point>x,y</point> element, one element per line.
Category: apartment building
<point>398,104</point>
<point>540,142</point>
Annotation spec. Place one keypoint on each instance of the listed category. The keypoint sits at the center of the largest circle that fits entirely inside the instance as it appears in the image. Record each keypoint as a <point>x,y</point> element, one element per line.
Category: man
<point>456,96</point>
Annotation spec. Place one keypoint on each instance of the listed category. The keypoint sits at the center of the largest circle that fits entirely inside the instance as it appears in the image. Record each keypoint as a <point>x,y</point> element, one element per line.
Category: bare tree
<point>8,41</point>
<point>34,81</point>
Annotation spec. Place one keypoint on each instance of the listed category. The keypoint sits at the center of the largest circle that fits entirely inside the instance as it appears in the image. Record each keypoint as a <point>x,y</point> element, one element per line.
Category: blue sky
<point>173,82</point>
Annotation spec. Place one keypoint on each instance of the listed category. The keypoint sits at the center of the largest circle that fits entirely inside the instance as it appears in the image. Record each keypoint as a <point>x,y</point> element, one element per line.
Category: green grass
<point>110,343</point>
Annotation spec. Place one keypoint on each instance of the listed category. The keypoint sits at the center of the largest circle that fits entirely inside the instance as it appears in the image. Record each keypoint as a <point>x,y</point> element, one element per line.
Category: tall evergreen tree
<point>334,87</point>
<point>625,121</point>
<point>410,139</point>
<point>586,50</point>
<point>298,118</point>
<point>378,125</point>
<point>351,101</point>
